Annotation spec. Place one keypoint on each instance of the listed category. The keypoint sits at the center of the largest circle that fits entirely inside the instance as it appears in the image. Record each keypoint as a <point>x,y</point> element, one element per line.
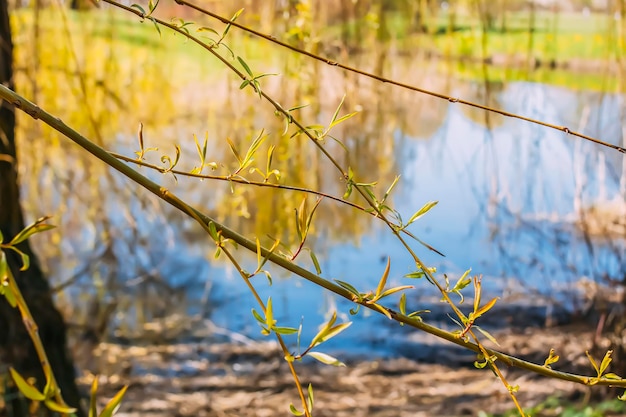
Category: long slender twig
<point>238,180</point>
<point>362,192</point>
<point>281,342</point>
<point>33,332</point>
<point>241,180</point>
<point>382,79</point>
<point>317,143</point>
<point>57,124</point>
<point>212,48</point>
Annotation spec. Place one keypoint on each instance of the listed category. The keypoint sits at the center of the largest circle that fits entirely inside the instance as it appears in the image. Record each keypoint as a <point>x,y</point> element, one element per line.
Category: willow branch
<point>241,180</point>
<point>33,333</point>
<point>317,143</point>
<point>57,124</point>
<point>384,80</point>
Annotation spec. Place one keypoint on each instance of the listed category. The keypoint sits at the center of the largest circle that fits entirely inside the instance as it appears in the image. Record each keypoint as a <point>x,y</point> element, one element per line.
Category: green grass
<point>563,37</point>
<point>580,81</point>
<point>568,37</point>
<point>555,407</point>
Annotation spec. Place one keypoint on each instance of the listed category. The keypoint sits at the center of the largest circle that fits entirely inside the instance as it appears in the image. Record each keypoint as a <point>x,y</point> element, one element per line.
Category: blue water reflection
<point>508,202</point>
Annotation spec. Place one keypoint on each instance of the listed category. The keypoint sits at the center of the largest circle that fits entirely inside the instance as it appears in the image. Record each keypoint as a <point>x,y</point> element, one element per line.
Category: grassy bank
<point>569,50</point>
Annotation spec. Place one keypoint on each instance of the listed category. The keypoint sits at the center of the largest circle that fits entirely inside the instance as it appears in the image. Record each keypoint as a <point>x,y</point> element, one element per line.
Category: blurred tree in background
<point>35,288</point>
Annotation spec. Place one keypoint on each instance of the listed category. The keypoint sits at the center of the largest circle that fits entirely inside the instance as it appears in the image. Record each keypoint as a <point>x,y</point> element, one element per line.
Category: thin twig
<point>240,180</point>
<point>382,79</point>
<point>164,194</point>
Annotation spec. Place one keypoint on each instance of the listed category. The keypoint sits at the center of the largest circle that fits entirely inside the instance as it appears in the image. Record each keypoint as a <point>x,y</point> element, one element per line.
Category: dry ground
<point>252,380</point>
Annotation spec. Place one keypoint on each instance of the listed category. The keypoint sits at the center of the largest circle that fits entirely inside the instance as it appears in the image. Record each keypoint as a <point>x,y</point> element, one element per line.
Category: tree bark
<point>16,348</point>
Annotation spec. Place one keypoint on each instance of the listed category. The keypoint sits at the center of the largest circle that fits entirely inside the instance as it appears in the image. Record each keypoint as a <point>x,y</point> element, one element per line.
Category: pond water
<point>509,194</point>
<point>508,202</point>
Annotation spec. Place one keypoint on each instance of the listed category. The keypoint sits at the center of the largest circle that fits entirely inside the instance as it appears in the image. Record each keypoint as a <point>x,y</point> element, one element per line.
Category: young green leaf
<point>245,66</point>
<point>270,155</point>
<point>25,259</point>
<point>59,408</point>
<point>201,153</point>
<point>29,391</point>
<point>297,107</point>
<point>258,254</point>
<point>394,290</point>
<point>393,184</point>
<point>295,411</point>
<point>285,330</point>
<point>92,398</point>
<point>233,149</point>
<point>232,19</point>
<point>593,363</point>
<point>114,403</point>
<point>350,288</point>
<point>381,309</point>
<point>156,25</point>
<point>254,147</point>
<point>422,211</point>
<point>487,335</point>
<point>402,304</point>
<point>302,216</point>
<point>606,361</point>
<point>355,310</point>
<point>7,292</point>
<point>138,7</point>
<point>415,275</point>
<point>416,314</point>
<point>348,191</point>
<point>4,268</point>
<point>336,113</point>
<point>477,294</point>
<point>552,358</point>
<point>269,314</point>
<point>327,359</point>
<point>213,231</point>
<point>140,131</point>
<point>383,279</point>
<point>37,227</point>
<point>323,329</point>
<point>336,119</point>
<point>167,160</point>
<point>152,5</point>
<point>328,330</point>
<point>482,310</point>
<point>462,283</point>
<point>267,256</point>
<point>316,263</point>
<point>207,29</point>
<point>341,119</point>
<point>268,275</point>
<point>481,362</point>
<point>309,218</point>
<point>258,317</point>
<point>309,399</point>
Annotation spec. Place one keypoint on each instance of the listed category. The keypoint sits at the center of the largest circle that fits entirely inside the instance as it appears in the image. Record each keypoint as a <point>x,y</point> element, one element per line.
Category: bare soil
<point>221,379</point>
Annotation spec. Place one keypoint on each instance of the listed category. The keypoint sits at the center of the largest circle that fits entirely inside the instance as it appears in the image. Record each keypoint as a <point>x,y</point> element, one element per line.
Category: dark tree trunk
<point>16,348</point>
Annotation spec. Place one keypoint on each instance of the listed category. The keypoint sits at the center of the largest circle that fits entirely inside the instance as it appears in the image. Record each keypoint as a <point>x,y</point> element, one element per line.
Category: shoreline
<point>233,380</point>
<point>425,377</point>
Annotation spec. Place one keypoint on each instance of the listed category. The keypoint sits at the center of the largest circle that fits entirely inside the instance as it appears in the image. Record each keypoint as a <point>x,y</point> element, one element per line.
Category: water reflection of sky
<point>507,198</point>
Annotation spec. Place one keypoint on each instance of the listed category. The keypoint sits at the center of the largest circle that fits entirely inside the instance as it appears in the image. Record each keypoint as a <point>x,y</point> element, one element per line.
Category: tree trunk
<point>16,348</point>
